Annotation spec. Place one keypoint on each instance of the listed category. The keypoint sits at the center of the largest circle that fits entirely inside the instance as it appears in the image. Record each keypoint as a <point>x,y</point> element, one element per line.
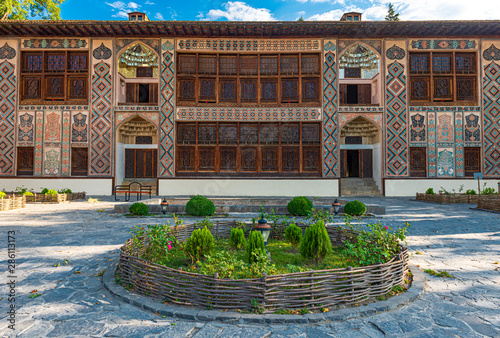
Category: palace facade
<point>249,109</point>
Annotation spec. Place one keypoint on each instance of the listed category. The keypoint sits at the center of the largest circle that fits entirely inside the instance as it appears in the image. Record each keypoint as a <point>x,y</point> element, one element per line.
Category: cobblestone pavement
<point>73,301</point>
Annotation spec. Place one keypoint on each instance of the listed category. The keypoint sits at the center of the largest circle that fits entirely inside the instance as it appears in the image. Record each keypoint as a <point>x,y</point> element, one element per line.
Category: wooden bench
<point>132,188</point>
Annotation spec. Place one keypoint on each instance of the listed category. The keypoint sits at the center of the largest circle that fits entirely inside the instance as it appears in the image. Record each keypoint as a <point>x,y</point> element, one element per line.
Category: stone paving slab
<point>73,300</point>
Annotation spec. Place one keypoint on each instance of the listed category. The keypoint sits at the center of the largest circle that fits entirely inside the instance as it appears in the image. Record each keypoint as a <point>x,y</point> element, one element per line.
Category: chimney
<point>137,16</point>
<point>351,16</point>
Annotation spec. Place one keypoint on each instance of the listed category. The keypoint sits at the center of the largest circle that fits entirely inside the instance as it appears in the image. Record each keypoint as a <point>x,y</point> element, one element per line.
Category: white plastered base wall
<point>411,187</point>
<point>89,185</point>
<point>249,187</point>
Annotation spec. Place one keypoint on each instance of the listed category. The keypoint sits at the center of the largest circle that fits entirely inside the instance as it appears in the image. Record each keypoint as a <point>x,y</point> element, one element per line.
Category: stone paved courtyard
<point>73,302</point>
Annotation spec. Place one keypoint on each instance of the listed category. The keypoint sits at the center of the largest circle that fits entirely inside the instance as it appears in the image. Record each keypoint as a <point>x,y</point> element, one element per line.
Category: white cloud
<point>158,16</point>
<point>334,15</point>
<point>149,3</point>
<point>122,9</point>
<point>239,11</point>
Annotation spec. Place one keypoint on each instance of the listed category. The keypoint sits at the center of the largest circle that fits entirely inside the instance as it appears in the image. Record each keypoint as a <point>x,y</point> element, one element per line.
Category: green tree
<point>391,14</point>
<point>27,9</point>
<point>301,18</point>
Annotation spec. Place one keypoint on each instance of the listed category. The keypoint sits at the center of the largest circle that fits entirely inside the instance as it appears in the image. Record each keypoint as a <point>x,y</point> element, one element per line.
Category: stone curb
<point>414,292</point>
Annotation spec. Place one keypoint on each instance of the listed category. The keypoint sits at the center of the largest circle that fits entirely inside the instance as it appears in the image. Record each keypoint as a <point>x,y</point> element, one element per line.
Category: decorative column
<point>167,85</point>
<point>330,103</point>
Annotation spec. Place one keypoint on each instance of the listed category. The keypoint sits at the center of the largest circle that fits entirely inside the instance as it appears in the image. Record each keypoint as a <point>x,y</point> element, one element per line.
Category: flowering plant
<point>154,242</point>
<point>375,244</point>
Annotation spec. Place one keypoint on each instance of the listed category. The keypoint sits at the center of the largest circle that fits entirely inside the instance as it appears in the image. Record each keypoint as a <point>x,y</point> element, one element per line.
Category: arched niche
<point>137,130</point>
<point>361,129</point>
<point>137,75</point>
<point>359,73</point>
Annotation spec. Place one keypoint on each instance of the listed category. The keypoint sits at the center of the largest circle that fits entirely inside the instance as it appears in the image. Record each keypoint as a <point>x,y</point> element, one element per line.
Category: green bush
<point>28,193</point>
<point>204,223</point>
<point>200,206</point>
<point>488,191</point>
<point>237,238</point>
<point>316,243</point>
<point>2,194</point>
<point>355,208</point>
<point>293,235</point>
<point>300,206</point>
<point>51,192</point>
<point>430,191</point>
<point>44,191</point>
<point>470,192</point>
<point>199,244</point>
<point>65,191</point>
<point>138,209</point>
<point>255,246</point>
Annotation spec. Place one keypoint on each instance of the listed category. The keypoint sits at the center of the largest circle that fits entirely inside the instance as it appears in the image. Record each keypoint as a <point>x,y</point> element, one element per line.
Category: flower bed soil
<point>453,198</point>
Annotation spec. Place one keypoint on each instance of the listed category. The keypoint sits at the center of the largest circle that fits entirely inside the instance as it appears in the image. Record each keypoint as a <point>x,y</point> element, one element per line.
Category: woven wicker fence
<point>12,202</point>
<point>457,198</point>
<point>57,198</point>
<point>311,289</point>
<point>489,202</point>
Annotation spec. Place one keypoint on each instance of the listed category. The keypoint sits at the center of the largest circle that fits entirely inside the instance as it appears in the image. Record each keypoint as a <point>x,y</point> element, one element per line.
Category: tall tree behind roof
<point>30,9</point>
<point>391,14</point>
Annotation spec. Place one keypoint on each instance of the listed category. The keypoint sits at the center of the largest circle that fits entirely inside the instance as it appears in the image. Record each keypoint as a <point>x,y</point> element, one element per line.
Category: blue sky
<point>270,10</point>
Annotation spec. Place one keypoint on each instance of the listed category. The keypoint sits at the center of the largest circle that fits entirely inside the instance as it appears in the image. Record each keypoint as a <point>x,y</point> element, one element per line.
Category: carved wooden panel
<point>269,133</point>
<point>419,89</point>
<point>289,90</point>
<point>129,163</point>
<point>269,64</point>
<point>310,90</point>
<point>187,64</point>
<point>77,87</point>
<point>207,133</point>
<point>249,133</point>
<point>207,90</point>
<point>310,64</point>
<point>466,88</point>
<point>228,65</point>
<point>472,161</point>
<point>248,159</point>
<point>442,88</point>
<point>79,161</point>
<point>418,165</point>
<point>207,64</point>
<point>364,94</point>
<point>185,158</point>
<point>32,87</point>
<point>269,159</point>
<point>290,159</point>
<point>54,87</point>
<point>186,133</point>
<point>25,161</point>
<point>311,159</point>
<point>311,133</point>
<point>290,133</point>
<point>367,160</point>
<point>353,140</point>
<point>248,65</point>
<point>227,159</point>
<point>206,159</point>
<point>343,161</point>
<point>289,65</point>
<point>228,133</point>
<point>143,140</point>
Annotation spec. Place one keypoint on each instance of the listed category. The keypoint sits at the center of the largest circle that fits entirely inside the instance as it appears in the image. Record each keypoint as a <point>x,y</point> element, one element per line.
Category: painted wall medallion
<point>7,52</point>
<point>395,53</point>
<point>102,52</point>
<point>25,133</point>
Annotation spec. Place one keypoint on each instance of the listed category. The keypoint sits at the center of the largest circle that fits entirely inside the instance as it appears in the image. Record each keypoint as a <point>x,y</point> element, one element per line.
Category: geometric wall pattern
<point>459,145</point>
<point>445,162</point>
<point>100,121</point>
<point>491,106</point>
<point>248,114</point>
<point>396,120</point>
<point>227,45</point>
<point>7,117</point>
<point>38,143</point>
<point>431,149</point>
<point>65,153</point>
<point>330,124</point>
<point>167,111</point>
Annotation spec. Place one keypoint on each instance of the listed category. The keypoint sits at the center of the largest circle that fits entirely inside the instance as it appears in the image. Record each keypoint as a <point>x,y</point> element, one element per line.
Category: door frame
<point>120,158</point>
<point>358,147</point>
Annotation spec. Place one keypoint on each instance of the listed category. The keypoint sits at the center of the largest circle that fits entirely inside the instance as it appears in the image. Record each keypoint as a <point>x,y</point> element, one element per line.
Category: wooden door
<point>366,170</point>
<point>79,161</point>
<point>140,163</point>
<point>343,94</point>
<point>364,94</point>
<point>472,161</point>
<point>25,160</point>
<point>418,163</point>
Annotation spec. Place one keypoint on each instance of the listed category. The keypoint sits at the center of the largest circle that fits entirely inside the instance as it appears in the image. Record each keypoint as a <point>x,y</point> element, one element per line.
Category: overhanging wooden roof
<point>276,29</point>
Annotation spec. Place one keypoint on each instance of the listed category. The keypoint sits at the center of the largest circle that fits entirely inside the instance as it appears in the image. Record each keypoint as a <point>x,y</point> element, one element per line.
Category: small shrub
<point>204,223</point>
<point>237,238</point>
<point>200,244</point>
<point>355,208</point>
<point>51,192</point>
<point>255,246</point>
<point>2,194</point>
<point>27,193</point>
<point>300,206</point>
<point>200,206</point>
<point>293,235</point>
<point>488,191</point>
<point>470,192</point>
<point>44,191</point>
<point>65,191</point>
<point>430,191</point>
<point>316,244</point>
<point>153,243</point>
<point>138,209</point>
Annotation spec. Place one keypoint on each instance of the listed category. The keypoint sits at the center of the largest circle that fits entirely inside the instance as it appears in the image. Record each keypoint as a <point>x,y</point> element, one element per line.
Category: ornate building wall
<point>330,104</point>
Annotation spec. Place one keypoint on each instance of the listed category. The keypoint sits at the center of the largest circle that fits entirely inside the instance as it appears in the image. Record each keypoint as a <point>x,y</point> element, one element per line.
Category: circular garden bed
<point>313,289</point>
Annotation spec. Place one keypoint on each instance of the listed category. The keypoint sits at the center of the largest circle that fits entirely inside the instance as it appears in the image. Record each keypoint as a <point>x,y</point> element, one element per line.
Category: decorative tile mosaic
<point>79,127</point>
<point>248,114</point>
<point>153,43</point>
<point>361,109</point>
<point>100,122</point>
<point>375,44</point>
<point>55,43</point>
<point>52,128</point>
<point>395,53</point>
<point>443,44</point>
<point>396,131</point>
<point>8,91</point>
<point>472,128</point>
<point>26,128</point>
<point>102,52</point>
<point>445,127</point>
<point>445,162</point>
<point>7,52</point>
<point>491,115</point>
<point>492,53</point>
<point>51,161</point>
<point>38,143</point>
<point>137,108</point>
<point>346,117</point>
<point>445,108</point>
<point>167,115</point>
<point>230,45</point>
<point>431,149</point>
<point>417,128</point>
<point>65,153</point>
<point>55,107</point>
<point>459,145</point>
<point>330,124</point>
<point>151,117</point>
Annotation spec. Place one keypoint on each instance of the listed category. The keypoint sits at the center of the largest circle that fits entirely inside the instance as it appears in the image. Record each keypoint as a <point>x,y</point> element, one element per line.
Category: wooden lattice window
<point>207,64</point>
<point>54,77</point>
<point>352,73</point>
<point>186,133</point>
<point>187,64</point>
<point>248,65</point>
<point>25,161</point>
<point>79,161</point>
<point>206,159</point>
<point>472,161</point>
<point>248,91</point>
<point>228,90</point>
<point>311,159</point>
<point>310,64</point>
<point>228,65</point>
<point>145,93</point>
<point>186,89</point>
<point>290,159</point>
<point>207,90</point>
<point>269,65</point>
<point>418,164</point>
<point>443,77</point>
<point>144,72</point>
<point>185,159</point>
<point>269,90</point>
<point>289,90</point>
<point>289,65</point>
<point>270,159</point>
<point>310,89</point>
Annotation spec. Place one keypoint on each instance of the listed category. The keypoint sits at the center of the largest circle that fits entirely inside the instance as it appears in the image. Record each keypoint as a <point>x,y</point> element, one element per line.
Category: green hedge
<point>200,206</point>
<point>355,208</point>
<point>300,206</point>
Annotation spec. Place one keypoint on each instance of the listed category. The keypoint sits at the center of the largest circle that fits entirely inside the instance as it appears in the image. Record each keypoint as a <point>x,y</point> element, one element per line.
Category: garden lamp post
<point>164,206</point>
<point>263,227</point>
<point>336,207</point>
